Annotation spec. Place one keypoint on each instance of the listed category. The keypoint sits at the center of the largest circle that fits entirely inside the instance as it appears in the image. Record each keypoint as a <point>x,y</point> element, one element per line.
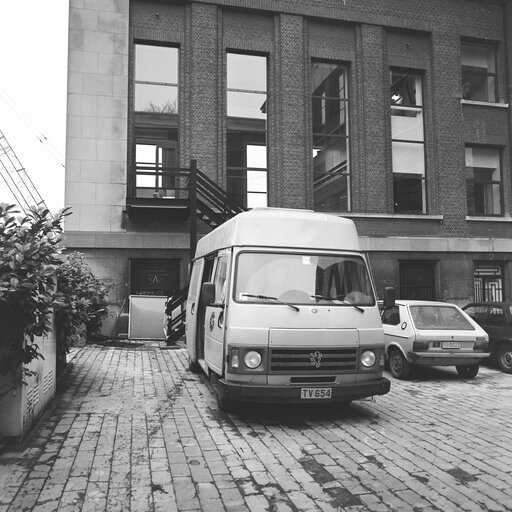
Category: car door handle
<point>192,308</point>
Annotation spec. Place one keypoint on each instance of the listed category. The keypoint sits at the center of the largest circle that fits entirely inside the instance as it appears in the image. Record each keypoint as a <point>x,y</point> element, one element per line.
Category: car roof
<point>491,303</point>
<point>411,302</point>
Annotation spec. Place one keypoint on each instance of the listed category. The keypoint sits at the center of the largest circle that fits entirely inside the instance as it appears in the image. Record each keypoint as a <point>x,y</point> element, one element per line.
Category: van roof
<point>280,227</point>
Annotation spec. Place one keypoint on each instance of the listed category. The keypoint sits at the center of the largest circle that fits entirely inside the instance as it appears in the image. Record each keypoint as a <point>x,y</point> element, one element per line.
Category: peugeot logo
<point>316,358</point>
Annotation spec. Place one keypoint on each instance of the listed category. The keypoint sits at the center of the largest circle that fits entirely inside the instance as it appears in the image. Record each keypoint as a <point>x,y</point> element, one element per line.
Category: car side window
<point>391,316</point>
<point>496,316</point>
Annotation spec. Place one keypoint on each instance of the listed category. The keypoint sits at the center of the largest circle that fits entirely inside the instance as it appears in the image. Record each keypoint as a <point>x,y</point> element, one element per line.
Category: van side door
<point>192,309</point>
<point>216,313</point>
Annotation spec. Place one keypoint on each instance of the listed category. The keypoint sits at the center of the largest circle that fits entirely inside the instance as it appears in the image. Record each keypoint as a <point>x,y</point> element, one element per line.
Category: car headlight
<point>252,359</point>
<point>368,358</point>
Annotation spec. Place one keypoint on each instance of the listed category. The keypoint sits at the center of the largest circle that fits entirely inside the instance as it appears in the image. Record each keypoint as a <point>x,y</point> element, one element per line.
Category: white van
<point>282,308</point>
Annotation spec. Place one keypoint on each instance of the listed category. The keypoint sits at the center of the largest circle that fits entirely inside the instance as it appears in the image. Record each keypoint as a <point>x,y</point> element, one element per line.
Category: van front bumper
<point>292,394</point>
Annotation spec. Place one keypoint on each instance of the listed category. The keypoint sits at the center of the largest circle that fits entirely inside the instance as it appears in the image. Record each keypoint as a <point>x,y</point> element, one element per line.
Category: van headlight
<point>368,358</point>
<point>252,359</point>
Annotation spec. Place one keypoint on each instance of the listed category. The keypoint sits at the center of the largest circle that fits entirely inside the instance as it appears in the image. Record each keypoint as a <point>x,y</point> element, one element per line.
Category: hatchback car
<point>427,333</point>
<point>496,319</point>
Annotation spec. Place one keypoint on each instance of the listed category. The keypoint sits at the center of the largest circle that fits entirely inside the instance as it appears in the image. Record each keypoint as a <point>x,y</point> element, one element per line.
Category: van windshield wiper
<point>321,297</point>
<point>266,297</point>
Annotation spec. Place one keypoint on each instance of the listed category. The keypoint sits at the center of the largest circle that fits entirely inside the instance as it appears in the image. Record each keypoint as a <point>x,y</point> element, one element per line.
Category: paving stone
<point>113,440</point>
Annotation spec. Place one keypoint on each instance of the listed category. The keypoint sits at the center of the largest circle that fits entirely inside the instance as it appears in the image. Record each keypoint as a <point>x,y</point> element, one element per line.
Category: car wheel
<point>399,367</point>
<point>504,357</point>
<point>468,371</point>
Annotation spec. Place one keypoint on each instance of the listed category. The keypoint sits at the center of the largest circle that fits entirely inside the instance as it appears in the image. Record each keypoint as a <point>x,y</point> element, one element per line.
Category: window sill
<point>484,103</point>
<point>392,216</point>
<point>488,219</point>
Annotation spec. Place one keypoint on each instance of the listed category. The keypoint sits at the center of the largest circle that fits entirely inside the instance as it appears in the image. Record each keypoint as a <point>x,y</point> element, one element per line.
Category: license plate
<point>451,344</point>
<point>315,393</point>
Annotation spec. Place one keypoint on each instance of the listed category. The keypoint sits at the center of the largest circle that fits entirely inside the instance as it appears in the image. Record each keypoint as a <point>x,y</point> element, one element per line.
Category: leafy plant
<point>81,301</point>
<point>30,253</point>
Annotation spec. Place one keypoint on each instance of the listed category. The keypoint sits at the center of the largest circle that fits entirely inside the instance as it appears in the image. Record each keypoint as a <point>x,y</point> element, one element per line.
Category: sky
<point>33,85</point>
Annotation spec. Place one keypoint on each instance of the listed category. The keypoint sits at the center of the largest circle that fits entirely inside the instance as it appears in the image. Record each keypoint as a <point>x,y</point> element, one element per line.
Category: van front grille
<point>313,360</point>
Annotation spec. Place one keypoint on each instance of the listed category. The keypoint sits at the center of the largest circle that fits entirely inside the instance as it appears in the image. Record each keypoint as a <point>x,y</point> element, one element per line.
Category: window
<point>408,142</point>
<point>156,79</point>
<point>329,280</point>
<point>155,121</point>
<point>417,280</point>
<point>246,138</point>
<point>331,170</point>
<point>478,72</point>
<point>488,282</point>
<point>483,181</point>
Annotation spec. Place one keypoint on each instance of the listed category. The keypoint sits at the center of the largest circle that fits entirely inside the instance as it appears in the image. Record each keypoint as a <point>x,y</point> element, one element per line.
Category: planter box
<point>21,407</point>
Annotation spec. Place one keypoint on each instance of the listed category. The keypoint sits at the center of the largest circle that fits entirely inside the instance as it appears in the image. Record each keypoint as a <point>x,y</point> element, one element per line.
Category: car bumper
<point>446,359</point>
<point>291,394</point>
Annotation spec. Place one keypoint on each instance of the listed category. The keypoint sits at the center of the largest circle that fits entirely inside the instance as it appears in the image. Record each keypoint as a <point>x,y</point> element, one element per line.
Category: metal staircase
<point>17,179</point>
<point>211,204</point>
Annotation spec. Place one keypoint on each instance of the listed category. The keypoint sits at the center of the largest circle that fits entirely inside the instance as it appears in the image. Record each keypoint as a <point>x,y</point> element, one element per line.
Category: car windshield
<point>303,279</point>
<point>440,318</point>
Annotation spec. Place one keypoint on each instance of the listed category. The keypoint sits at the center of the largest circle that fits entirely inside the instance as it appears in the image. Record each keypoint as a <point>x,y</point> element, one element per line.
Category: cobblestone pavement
<point>132,430</point>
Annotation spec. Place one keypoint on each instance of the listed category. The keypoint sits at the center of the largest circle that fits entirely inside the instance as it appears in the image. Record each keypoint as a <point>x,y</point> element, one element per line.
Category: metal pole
<point>193,207</point>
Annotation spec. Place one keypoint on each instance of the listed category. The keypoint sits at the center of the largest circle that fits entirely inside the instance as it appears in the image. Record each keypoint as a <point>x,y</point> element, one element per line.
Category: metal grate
<point>317,360</point>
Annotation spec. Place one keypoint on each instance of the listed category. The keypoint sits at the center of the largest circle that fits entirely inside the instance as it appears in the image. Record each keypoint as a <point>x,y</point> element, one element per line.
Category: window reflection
<point>331,176</point>
<point>246,134</point>
<point>156,79</point>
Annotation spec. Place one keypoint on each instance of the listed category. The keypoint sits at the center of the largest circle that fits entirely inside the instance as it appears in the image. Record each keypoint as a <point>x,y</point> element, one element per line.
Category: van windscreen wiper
<point>266,297</point>
<point>321,297</point>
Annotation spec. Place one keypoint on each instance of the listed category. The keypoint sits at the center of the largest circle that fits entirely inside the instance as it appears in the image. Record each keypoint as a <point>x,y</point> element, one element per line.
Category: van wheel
<point>504,357</point>
<point>468,371</point>
<point>399,367</point>
<point>225,404</point>
<point>193,366</point>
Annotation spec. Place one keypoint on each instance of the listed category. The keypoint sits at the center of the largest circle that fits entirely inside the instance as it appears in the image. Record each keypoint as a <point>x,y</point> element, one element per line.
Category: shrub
<point>81,300</point>
<point>30,253</point>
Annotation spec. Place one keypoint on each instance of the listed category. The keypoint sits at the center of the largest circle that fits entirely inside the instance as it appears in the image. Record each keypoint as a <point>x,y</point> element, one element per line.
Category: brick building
<point>395,113</point>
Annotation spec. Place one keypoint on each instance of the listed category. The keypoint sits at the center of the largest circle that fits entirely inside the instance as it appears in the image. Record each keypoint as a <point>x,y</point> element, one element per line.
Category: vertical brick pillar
<point>370,178</point>
<point>204,84</point>
<point>294,179</point>
<point>449,155</point>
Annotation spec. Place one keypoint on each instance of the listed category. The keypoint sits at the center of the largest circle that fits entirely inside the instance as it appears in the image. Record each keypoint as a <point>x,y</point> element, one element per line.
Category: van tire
<point>468,371</point>
<point>399,367</point>
<point>504,357</point>
<point>225,404</point>
<point>193,366</point>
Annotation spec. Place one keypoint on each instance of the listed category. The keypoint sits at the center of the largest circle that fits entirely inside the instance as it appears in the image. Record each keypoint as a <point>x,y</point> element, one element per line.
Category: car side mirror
<point>207,294</point>
<point>389,297</point>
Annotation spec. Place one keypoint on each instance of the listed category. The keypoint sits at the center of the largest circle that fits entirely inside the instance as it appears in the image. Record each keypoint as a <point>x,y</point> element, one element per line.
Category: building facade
<point>393,113</point>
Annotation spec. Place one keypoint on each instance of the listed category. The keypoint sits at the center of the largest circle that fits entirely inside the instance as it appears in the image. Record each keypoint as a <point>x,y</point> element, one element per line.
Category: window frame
<point>343,169</point>
<point>499,151</point>
<point>409,107</point>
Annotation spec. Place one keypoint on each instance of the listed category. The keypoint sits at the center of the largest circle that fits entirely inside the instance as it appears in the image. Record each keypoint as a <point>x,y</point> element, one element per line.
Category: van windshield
<point>302,279</point>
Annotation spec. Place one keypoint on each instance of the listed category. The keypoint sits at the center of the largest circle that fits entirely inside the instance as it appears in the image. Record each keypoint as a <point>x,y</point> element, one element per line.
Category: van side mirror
<point>389,297</point>
<point>207,294</point>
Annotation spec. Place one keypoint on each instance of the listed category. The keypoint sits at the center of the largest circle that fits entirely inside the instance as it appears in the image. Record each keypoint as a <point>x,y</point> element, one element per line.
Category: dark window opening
<point>417,280</point>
